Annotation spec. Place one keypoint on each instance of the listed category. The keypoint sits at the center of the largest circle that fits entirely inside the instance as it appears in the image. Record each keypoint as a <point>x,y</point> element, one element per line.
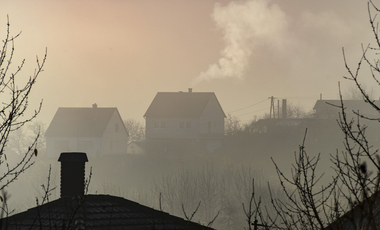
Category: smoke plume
<point>245,25</point>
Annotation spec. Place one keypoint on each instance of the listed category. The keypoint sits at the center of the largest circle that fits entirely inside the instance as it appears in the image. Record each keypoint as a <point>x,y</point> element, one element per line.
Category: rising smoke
<point>245,25</point>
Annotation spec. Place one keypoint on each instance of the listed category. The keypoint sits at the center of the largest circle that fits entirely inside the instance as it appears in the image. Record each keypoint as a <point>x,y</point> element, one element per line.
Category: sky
<point>120,53</point>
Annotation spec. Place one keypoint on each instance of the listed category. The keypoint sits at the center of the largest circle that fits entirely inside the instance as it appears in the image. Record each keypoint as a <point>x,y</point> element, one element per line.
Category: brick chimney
<point>72,173</point>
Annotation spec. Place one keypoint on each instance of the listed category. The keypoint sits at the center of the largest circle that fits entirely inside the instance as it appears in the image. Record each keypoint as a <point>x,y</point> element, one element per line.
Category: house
<point>98,131</point>
<point>136,147</point>
<point>74,210</point>
<point>327,109</point>
<point>191,117</point>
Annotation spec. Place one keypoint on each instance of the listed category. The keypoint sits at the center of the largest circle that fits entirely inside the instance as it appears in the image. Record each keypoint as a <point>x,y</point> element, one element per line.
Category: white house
<point>191,116</point>
<point>96,131</point>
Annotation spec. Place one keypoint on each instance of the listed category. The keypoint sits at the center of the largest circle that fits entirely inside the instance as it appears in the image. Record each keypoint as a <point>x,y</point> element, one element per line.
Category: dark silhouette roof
<point>180,104</point>
<point>358,217</point>
<point>80,122</point>
<point>96,212</point>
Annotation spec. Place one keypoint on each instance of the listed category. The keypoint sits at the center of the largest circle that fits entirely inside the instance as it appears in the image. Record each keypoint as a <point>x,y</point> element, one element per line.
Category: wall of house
<point>115,138</point>
<point>172,128</point>
<point>212,119</point>
<point>56,145</point>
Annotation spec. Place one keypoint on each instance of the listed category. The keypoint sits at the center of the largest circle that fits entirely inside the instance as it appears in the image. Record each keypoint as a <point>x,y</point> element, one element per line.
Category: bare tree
<point>15,89</point>
<point>136,130</point>
<point>351,199</point>
<point>232,125</point>
<point>25,136</point>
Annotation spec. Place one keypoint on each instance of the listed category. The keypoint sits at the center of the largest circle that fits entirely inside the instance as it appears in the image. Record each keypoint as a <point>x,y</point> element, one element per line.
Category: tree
<point>353,93</point>
<point>25,136</point>
<point>15,89</point>
<point>232,125</point>
<point>136,130</point>
<point>351,198</point>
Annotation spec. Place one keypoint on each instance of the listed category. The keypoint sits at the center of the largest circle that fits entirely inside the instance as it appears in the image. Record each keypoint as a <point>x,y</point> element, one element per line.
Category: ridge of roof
<point>80,121</point>
<point>179,104</point>
<point>97,212</point>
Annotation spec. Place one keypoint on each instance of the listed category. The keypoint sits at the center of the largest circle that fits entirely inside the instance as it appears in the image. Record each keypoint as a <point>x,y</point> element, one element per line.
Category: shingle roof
<point>96,212</point>
<point>359,216</point>
<point>179,104</point>
<point>80,122</point>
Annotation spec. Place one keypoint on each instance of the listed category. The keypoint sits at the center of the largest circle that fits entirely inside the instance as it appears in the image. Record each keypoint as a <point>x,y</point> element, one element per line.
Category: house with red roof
<point>195,117</point>
<point>94,130</point>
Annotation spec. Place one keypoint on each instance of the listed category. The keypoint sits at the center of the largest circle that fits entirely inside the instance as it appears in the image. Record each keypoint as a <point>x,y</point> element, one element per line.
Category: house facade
<point>97,131</point>
<point>195,117</point>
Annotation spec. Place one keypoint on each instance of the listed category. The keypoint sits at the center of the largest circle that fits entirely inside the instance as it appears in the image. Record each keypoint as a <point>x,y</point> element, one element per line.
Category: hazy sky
<point>120,53</point>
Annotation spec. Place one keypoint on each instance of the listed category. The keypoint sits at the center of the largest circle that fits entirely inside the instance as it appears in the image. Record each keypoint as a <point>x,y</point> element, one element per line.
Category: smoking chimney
<point>72,173</point>
<point>94,106</point>
<point>284,109</point>
<point>190,90</point>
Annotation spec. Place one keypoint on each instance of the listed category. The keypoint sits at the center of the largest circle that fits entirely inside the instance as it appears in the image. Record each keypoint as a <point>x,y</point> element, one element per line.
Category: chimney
<point>190,90</point>
<point>94,106</point>
<point>72,173</point>
<point>284,115</point>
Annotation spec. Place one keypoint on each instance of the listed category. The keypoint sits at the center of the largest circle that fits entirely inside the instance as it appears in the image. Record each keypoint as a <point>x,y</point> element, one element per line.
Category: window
<point>85,145</point>
<point>185,125</point>
<point>61,145</point>
<point>116,128</point>
<point>160,125</point>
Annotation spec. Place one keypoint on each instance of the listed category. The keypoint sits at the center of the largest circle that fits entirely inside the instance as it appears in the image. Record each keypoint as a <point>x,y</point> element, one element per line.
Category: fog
<point>120,54</point>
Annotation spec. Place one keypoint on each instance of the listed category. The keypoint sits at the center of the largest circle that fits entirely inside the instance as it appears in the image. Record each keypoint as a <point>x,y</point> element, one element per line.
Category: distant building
<point>97,131</point>
<point>326,109</point>
<point>195,117</point>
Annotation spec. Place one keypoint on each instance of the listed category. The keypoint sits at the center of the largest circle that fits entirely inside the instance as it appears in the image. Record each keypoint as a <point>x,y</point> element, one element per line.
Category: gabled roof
<point>180,104</point>
<point>96,212</point>
<point>80,122</point>
<point>350,104</point>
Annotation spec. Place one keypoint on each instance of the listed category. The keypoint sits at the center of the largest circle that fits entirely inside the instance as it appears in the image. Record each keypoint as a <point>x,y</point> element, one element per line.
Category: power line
<point>248,106</point>
<point>251,112</point>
